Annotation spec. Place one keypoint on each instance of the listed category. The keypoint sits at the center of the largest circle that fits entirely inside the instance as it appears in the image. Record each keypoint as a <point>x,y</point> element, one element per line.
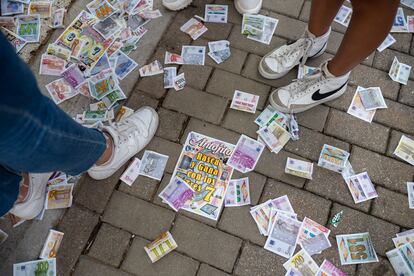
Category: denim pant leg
<point>9,189</point>
<point>36,135</point>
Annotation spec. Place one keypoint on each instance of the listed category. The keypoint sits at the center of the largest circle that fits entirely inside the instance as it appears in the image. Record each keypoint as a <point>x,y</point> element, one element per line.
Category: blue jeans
<point>35,135</point>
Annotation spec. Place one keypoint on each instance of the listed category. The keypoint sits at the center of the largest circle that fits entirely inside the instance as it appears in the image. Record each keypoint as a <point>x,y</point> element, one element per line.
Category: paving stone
<point>395,138</point>
<point>217,31</point>
<point>250,71</point>
<point>164,182</point>
<point>332,186</point>
<point>165,147</point>
<point>370,77</point>
<point>403,42</point>
<point>238,221</point>
<point>382,170</point>
<point>139,99</point>
<point>288,7</point>
<point>273,165</point>
<point>143,187</point>
<point>311,142</point>
<point>224,84</point>
<point>397,115</point>
<point>196,76</point>
<point>334,42</point>
<point>153,86</point>
<point>240,41</point>
<point>349,128</point>
<point>256,182</point>
<point>304,203</point>
<point>393,207</point>
<point>137,216</point>
<point>94,194</point>
<point>357,222</point>
<point>192,235</point>
<point>76,238</point>
<point>314,118</point>
<point>383,268</point>
<point>384,60</point>
<point>406,95</point>
<point>234,64</point>
<point>206,270</point>
<point>171,124</point>
<point>90,267</point>
<point>241,122</point>
<point>137,262</point>
<point>255,260</point>
<point>174,38</point>
<point>194,103</point>
<point>210,130</point>
<point>110,245</point>
<point>289,28</point>
<point>233,15</point>
<point>332,255</point>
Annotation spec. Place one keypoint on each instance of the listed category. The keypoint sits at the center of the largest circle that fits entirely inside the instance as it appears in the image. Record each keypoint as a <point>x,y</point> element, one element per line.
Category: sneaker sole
<point>302,109</point>
<point>275,76</point>
<point>178,7</point>
<point>251,11</point>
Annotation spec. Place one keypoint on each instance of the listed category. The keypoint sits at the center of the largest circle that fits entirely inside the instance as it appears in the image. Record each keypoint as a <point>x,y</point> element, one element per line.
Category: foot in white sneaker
<point>176,5</point>
<point>310,91</point>
<point>35,198</point>
<point>248,6</point>
<point>129,137</point>
<point>281,60</point>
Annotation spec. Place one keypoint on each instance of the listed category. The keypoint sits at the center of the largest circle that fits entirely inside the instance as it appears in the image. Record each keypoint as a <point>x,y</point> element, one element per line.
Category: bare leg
<point>370,23</point>
<point>322,14</point>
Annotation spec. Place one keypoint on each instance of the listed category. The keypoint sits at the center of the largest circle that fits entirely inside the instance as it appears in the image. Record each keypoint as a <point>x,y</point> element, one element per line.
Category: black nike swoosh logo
<point>318,96</point>
<point>320,50</point>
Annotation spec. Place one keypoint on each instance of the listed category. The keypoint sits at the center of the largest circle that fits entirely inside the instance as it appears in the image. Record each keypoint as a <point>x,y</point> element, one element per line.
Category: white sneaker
<point>319,87</point>
<point>35,199</point>
<point>248,6</point>
<point>129,136</point>
<point>281,60</point>
<point>176,5</point>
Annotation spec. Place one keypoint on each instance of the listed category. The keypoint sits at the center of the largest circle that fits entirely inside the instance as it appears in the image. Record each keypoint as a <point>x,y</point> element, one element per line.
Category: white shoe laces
<point>299,87</point>
<point>127,129</point>
<point>290,51</point>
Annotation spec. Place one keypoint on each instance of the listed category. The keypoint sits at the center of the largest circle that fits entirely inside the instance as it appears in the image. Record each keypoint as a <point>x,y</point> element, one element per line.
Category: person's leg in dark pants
<point>37,137</point>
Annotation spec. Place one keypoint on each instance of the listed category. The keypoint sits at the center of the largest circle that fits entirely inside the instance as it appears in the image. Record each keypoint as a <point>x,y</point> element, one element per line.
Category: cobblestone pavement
<point>109,223</point>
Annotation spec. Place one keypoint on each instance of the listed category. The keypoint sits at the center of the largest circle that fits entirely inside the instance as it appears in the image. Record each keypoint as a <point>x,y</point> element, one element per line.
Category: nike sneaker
<point>302,94</point>
<point>280,61</point>
<point>248,6</point>
<point>129,136</point>
<point>176,5</point>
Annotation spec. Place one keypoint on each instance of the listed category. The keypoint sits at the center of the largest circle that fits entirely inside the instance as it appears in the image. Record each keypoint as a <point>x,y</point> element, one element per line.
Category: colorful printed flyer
<point>202,165</point>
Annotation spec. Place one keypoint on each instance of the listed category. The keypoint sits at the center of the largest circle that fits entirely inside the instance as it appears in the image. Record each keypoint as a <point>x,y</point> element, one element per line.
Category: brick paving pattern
<point>110,222</point>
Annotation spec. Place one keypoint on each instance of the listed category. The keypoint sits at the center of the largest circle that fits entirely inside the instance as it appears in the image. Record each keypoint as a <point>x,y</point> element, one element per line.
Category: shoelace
<point>300,86</point>
<point>127,129</point>
<point>284,56</point>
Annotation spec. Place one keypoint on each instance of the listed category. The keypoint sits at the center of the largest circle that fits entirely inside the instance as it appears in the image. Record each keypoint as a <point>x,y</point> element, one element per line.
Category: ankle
<point>318,32</point>
<point>106,156</point>
<point>334,70</point>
